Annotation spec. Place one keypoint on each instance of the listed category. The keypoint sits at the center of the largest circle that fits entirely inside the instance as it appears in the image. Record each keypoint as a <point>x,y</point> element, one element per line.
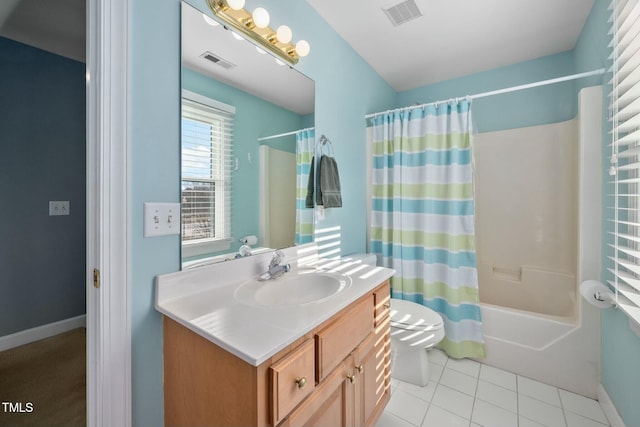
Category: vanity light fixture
<point>256,26</point>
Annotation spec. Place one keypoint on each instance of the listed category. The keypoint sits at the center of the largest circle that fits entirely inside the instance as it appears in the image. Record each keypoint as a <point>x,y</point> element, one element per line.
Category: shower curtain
<point>422,215</point>
<point>305,143</point>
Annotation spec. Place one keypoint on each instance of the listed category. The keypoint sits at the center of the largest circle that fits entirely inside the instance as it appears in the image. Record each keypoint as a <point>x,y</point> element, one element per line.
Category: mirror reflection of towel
<point>308,203</point>
<point>328,190</point>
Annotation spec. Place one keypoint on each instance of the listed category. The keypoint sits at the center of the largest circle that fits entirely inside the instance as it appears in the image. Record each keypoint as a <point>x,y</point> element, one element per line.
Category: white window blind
<point>625,155</point>
<point>207,135</point>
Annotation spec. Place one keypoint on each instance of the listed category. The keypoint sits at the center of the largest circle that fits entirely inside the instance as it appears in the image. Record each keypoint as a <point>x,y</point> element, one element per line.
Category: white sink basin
<point>292,289</point>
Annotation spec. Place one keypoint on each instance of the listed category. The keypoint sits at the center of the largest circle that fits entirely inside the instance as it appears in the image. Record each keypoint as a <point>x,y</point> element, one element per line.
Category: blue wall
<point>254,118</point>
<point>42,158</point>
<point>529,107</point>
<point>620,346</point>
<point>346,89</point>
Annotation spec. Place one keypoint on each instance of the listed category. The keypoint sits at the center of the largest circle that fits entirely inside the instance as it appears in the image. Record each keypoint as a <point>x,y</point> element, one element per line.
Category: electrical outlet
<point>59,208</point>
<point>161,219</point>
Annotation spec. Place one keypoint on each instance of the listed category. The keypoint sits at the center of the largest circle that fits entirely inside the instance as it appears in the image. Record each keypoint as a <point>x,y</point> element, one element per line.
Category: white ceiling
<point>56,26</point>
<point>454,38</point>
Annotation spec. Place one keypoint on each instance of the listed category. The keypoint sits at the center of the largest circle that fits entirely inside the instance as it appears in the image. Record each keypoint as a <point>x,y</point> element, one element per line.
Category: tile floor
<point>467,393</point>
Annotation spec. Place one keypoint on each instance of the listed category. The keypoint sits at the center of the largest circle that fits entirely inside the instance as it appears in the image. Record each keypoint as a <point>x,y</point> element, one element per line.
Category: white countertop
<point>203,300</point>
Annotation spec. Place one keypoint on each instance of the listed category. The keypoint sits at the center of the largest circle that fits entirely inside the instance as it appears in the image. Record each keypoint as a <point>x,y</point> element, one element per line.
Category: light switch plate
<point>59,208</point>
<point>161,219</point>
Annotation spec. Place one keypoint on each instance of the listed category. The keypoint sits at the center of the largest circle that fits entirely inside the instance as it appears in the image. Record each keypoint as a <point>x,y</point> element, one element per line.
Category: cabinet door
<point>330,405</point>
<point>369,381</point>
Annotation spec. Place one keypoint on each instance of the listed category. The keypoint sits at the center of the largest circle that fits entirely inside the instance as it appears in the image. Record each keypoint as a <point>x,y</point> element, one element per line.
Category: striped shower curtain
<point>305,143</point>
<point>422,219</point>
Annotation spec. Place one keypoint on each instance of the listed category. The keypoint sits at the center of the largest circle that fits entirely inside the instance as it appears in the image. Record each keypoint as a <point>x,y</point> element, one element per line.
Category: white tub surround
<point>535,323</point>
<point>203,300</point>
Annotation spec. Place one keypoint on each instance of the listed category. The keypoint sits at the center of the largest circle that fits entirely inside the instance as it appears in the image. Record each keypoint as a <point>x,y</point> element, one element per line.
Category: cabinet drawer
<point>382,301</point>
<point>337,340</point>
<point>292,379</point>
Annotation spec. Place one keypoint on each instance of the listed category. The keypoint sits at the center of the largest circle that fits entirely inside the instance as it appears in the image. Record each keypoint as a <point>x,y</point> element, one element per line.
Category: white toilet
<point>414,329</point>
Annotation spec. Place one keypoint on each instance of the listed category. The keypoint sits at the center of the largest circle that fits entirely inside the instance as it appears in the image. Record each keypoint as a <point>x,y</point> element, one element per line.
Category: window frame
<point>197,247</point>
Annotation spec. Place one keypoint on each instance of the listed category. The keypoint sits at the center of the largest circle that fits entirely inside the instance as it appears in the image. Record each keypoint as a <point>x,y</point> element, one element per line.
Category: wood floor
<point>48,377</point>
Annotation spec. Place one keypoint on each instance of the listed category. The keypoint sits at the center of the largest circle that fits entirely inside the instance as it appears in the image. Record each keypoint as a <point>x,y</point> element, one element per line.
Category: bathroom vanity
<point>230,362</point>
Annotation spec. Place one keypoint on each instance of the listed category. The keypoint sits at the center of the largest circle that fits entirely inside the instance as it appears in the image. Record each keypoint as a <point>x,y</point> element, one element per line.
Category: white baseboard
<point>41,332</point>
<point>609,408</point>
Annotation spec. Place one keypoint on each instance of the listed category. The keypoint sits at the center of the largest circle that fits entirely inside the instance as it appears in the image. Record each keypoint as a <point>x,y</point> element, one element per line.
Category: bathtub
<point>534,251</point>
<point>556,350</point>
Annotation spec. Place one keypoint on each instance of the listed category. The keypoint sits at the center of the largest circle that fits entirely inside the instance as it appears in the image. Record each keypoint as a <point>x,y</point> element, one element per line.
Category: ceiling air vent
<point>217,60</point>
<point>403,12</point>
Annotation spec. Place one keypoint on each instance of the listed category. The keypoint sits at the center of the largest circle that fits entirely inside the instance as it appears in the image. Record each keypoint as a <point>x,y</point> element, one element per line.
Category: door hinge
<point>96,278</point>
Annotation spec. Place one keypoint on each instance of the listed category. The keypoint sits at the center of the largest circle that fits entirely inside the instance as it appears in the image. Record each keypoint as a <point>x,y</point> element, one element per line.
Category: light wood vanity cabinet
<point>336,375</point>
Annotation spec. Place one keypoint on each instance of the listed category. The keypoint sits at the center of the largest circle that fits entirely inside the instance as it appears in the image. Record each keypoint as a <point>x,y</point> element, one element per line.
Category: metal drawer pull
<point>387,304</point>
<point>360,368</point>
<point>301,382</point>
<point>351,378</point>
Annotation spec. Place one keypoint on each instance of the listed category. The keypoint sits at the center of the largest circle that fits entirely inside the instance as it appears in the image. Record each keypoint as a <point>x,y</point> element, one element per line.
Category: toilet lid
<point>407,313</point>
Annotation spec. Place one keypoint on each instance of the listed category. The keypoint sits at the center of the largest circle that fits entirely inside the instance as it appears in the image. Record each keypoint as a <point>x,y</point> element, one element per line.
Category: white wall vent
<point>402,12</point>
<point>218,60</point>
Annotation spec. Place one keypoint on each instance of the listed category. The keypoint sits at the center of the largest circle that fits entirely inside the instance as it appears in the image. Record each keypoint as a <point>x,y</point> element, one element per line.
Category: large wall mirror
<point>240,176</point>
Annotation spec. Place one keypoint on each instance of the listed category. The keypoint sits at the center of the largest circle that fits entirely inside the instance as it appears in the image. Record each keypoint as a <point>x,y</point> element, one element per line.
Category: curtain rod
<point>499,91</point>
<point>293,132</point>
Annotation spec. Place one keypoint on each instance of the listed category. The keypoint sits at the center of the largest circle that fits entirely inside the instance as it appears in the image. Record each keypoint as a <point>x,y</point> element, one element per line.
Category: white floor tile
<point>575,420</point>
<point>524,422</point>
<point>467,393</point>
<point>498,396</point>
<point>435,371</point>
<point>424,393</point>
<point>437,356</point>
<point>583,406</point>
<point>407,407</point>
<point>387,419</point>
<point>498,377</point>
<point>489,415</point>
<point>453,401</point>
<point>459,381</point>
<point>466,366</point>
<point>438,417</point>
<point>538,391</point>
<point>540,412</point>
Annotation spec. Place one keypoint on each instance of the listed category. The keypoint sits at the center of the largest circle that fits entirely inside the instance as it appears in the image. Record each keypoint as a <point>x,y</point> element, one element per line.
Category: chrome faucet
<point>275,268</point>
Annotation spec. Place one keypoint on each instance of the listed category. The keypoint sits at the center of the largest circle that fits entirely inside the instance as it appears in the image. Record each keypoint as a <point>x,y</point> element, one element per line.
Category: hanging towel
<point>329,183</point>
<point>308,203</point>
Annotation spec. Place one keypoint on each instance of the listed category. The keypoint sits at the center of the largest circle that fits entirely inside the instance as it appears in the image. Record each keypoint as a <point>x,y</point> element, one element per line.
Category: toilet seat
<point>409,315</point>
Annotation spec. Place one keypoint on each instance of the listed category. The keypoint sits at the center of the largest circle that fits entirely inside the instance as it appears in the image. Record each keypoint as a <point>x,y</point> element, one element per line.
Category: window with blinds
<point>207,134</point>
<point>625,156</point>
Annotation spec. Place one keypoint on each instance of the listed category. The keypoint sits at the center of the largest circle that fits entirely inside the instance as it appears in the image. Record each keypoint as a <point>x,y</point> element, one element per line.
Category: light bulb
<point>283,34</point>
<point>210,21</point>
<point>235,4</point>
<point>260,17</point>
<point>302,48</point>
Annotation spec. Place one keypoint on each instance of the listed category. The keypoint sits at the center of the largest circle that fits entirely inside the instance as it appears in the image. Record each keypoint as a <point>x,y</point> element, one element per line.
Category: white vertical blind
<point>625,154</point>
<point>207,134</point>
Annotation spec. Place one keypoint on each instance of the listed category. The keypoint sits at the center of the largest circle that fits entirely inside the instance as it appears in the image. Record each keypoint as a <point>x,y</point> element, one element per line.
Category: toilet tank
<point>369,259</point>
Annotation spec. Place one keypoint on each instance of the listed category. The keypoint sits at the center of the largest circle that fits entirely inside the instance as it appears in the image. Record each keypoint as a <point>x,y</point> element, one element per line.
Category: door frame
<point>108,222</point>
